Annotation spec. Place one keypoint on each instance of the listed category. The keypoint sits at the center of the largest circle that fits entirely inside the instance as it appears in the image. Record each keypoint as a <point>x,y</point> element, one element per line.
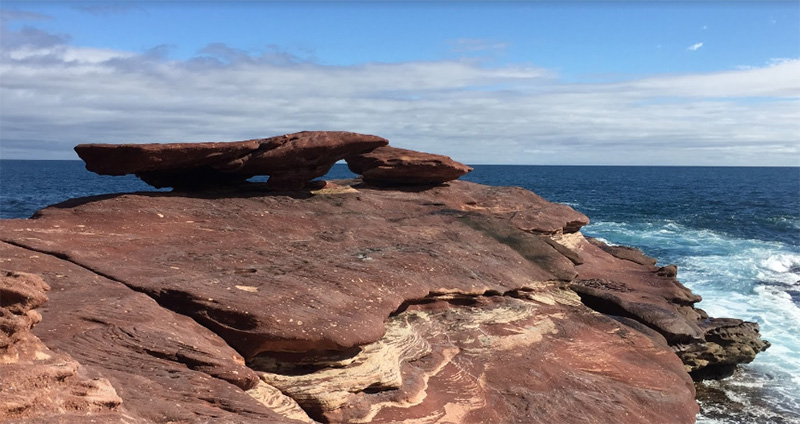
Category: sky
<point>542,83</point>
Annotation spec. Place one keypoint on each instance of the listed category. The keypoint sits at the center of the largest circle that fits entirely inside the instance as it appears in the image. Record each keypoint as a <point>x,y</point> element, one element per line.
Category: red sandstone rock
<point>624,252</point>
<point>125,359</point>
<point>390,165</point>
<point>35,382</point>
<point>290,160</point>
<point>621,282</point>
<point>315,258</point>
<point>449,304</point>
<point>475,359</point>
<point>123,159</point>
<point>293,160</point>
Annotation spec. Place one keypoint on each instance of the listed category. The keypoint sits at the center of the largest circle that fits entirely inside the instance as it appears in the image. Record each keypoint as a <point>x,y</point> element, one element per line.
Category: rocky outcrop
<point>350,302</point>
<point>161,366</point>
<point>624,282</point>
<point>215,256</point>
<point>390,165</point>
<point>290,160</point>
<point>36,382</point>
<point>726,343</point>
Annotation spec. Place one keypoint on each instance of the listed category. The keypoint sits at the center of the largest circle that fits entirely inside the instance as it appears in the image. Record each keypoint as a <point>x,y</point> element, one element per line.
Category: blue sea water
<point>733,232</point>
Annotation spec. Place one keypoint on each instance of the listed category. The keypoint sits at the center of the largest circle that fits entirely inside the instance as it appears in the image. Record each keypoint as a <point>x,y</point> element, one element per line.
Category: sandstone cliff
<point>396,298</point>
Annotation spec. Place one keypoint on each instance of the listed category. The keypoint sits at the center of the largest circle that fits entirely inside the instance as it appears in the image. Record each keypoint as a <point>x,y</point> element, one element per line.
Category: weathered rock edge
<point>410,249</point>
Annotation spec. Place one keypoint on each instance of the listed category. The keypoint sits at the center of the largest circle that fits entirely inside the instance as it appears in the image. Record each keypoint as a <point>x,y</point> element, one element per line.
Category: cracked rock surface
<point>358,303</point>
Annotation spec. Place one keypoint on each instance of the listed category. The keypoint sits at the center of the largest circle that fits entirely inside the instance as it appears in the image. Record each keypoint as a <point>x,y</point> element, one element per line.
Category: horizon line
<point>529,164</point>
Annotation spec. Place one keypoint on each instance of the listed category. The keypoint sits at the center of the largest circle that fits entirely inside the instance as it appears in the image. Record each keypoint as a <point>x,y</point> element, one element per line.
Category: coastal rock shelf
<point>418,299</point>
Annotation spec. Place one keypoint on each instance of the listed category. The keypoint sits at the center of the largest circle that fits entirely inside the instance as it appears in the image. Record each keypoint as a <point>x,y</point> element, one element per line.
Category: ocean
<point>734,234</point>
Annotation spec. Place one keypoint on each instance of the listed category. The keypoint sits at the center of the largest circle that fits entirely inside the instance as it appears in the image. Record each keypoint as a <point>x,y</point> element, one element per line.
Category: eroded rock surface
<point>360,303</point>
<point>37,383</point>
<point>390,165</point>
<point>163,367</point>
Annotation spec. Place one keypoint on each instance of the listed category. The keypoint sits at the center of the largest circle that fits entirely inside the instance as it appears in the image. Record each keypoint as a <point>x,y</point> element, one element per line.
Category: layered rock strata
<point>350,302</point>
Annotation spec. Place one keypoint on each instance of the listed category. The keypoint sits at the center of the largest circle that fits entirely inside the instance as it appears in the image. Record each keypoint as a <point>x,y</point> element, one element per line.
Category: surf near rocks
<point>399,297</point>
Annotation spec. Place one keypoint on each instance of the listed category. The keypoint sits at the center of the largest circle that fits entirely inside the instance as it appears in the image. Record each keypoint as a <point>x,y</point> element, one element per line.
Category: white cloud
<point>58,96</point>
<point>695,46</point>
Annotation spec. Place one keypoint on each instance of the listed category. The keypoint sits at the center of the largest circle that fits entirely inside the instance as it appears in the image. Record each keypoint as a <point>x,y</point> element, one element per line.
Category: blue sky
<point>628,83</point>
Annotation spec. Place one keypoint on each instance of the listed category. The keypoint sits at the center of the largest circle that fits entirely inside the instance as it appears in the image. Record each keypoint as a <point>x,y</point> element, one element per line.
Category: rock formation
<point>390,165</point>
<point>349,302</point>
<point>291,160</point>
<point>630,285</point>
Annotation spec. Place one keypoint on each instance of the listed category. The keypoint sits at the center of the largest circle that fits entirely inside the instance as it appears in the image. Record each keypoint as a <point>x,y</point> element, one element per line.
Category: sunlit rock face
<point>360,302</point>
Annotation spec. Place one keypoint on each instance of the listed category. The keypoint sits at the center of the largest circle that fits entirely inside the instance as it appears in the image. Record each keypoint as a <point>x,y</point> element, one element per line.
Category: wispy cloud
<point>465,45</point>
<point>694,46</point>
<point>56,96</point>
<point>29,37</point>
<point>110,8</point>
<point>7,15</point>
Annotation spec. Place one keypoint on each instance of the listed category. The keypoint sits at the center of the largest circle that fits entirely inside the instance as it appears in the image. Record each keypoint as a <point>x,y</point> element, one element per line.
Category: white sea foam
<point>605,241</point>
<point>749,279</point>
<point>783,267</point>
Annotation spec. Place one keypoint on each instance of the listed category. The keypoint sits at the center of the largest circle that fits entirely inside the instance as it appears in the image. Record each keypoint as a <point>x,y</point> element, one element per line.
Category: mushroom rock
<point>390,165</point>
<point>291,160</point>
